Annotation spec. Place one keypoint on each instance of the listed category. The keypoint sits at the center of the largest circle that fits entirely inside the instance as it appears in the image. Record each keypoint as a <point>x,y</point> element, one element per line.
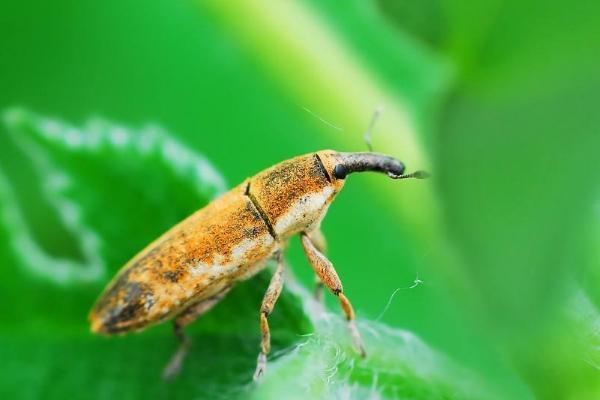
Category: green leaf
<point>518,142</point>
<point>96,180</point>
<point>498,98</point>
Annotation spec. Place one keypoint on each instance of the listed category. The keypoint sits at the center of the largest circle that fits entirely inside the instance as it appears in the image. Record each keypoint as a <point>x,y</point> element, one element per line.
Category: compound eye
<point>340,172</point>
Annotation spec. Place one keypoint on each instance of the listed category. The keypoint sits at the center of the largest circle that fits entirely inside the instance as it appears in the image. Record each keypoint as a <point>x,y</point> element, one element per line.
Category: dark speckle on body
<point>251,232</point>
<point>173,276</point>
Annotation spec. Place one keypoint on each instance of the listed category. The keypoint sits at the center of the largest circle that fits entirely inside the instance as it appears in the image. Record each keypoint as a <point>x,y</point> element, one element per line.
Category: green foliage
<point>496,98</point>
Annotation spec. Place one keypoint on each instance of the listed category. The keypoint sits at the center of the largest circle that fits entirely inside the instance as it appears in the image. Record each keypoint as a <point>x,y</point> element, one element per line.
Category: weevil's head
<point>295,194</point>
<point>340,165</point>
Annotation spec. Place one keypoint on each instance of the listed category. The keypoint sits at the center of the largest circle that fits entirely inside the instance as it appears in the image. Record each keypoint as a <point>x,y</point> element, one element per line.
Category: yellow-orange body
<point>227,241</point>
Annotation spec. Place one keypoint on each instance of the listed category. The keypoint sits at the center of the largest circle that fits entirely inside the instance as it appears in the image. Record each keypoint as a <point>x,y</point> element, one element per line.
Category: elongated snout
<point>360,162</point>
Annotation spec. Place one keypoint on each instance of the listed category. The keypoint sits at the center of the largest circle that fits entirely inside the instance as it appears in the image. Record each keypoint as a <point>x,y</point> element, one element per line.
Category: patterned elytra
<point>228,240</point>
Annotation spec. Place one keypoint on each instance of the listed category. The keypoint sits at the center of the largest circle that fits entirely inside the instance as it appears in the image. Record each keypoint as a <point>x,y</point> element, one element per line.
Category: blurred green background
<point>498,99</point>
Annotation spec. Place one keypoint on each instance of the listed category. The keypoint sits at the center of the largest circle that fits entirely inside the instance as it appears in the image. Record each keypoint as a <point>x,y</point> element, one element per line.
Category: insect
<point>191,267</point>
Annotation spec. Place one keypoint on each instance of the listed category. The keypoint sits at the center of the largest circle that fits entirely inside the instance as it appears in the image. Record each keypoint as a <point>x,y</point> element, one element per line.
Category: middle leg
<point>326,273</point>
<point>271,296</point>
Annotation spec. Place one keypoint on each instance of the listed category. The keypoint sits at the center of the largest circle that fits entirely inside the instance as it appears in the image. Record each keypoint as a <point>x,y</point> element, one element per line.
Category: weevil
<point>191,267</point>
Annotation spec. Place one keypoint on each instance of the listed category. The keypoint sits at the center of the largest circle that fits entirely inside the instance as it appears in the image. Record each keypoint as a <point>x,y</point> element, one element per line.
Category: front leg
<point>326,273</point>
<point>271,296</point>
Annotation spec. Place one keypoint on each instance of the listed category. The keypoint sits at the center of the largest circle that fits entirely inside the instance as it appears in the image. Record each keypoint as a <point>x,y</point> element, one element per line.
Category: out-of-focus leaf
<point>423,19</point>
<point>518,170</point>
<point>96,179</point>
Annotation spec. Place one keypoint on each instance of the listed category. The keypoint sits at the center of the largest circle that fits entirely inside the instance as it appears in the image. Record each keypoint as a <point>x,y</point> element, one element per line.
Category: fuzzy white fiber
<point>399,365</point>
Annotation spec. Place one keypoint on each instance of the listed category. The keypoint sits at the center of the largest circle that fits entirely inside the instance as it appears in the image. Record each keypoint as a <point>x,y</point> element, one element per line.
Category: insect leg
<point>271,296</point>
<point>324,269</point>
<point>318,239</point>
<point>186,317</point>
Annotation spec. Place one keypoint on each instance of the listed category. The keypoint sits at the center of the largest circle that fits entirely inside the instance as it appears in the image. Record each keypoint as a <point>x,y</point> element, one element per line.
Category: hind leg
<point>186,317</point>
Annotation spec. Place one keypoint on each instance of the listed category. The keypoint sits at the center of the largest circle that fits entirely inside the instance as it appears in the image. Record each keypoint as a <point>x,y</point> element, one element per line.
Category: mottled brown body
<point>227,241</point>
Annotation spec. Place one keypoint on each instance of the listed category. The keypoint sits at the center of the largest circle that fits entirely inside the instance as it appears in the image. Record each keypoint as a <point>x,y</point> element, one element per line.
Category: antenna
<point>376,114</point>
<point>416,175</point>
